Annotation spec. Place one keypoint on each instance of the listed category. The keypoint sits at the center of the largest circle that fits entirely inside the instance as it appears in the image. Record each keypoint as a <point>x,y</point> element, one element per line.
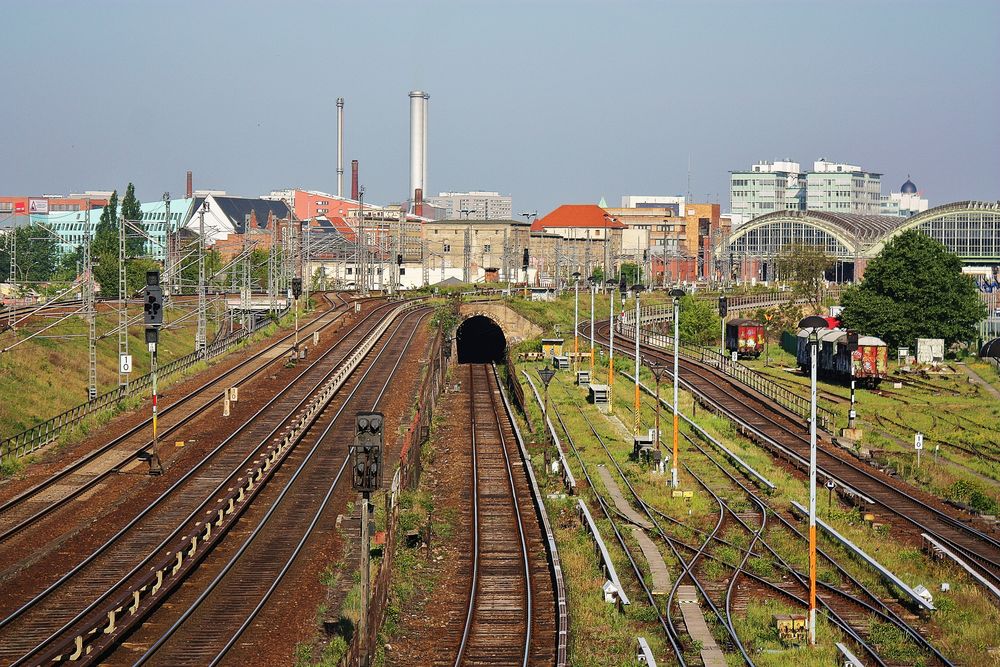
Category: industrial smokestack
<point>190,185</point>
<point>418,141</point>
<point>418,202</point>
<point>340,146</point>
<point>354,180</point>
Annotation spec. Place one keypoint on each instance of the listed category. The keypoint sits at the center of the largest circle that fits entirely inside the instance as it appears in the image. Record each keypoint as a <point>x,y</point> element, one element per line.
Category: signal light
<point>296,287</point>
<point>367,451</point>
<point>723,306</point>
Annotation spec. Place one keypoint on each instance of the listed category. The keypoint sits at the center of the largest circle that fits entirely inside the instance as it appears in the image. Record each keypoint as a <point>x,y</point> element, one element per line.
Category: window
<point>402,271</point>
<point>447,247</point>
<point>487,248</point>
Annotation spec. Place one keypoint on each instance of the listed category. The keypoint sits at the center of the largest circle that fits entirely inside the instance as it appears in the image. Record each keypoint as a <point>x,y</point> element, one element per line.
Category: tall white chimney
<point>340,146</point>
<point>418,142</point>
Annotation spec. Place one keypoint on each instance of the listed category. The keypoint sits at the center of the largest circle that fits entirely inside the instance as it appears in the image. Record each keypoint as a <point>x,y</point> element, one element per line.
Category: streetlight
<point>546,374</point>
<point>813,323</point>
<point>635,334</point>
<point>593,293</point>
<point>676,293</point>
<point>611,346</point>
<point>576,321</point>
<point>658,369</point>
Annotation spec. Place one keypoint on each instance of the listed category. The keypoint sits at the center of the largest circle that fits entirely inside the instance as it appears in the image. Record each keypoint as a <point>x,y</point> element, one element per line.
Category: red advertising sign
<point>20,206</point>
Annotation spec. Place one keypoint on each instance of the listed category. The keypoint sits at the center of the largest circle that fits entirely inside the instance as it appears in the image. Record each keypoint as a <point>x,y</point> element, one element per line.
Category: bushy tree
<point>104,248</point>
<point>914,289</point>
<point>37,253</point>
<point>699,323</point>
<point>631,272</point>
<point>804,266</point>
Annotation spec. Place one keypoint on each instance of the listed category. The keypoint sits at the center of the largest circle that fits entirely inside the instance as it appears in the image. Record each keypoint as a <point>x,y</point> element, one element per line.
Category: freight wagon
<point>868,365</point>
<point>745,337</point>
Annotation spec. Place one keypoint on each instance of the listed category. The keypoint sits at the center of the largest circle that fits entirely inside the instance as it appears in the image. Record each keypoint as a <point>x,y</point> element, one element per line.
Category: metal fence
<point>39,435</point>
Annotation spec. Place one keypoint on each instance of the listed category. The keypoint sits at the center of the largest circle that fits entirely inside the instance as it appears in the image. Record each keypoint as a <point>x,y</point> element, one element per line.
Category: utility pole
<point>272,265</point>
<point>306,269</point>
<point>122,302</point>
<point>90,309</point>
<point>201,336</point>
<point>245,291</point>
<point>467,252</point>
<point>424,266</point>
<point>170,260</point>
<point>360,278</point>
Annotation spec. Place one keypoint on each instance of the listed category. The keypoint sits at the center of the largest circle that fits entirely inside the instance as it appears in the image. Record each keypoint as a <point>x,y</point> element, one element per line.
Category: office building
<point>475,205</point>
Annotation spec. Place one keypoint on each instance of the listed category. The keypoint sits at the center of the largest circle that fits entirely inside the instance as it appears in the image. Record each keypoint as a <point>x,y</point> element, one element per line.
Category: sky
<point>549,101</point>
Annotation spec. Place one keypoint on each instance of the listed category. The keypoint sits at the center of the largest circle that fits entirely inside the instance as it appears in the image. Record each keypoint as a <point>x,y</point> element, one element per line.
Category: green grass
<point>952,627</point>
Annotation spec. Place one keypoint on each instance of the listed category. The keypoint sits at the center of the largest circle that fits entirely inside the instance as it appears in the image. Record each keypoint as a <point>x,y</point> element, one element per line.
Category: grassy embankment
<point>954,628</point>
<point>43,377</point>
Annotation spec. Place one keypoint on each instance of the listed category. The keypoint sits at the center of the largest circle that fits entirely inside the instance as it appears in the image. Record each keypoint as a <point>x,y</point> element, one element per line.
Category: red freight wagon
<point>745,337</point>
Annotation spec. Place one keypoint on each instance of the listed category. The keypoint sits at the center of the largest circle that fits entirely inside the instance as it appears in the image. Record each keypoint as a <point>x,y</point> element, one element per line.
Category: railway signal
<point>153,315</point>
<point>153,305</point>
<point>813,323</point>
<point>366,477</point>
<point>367,451</point>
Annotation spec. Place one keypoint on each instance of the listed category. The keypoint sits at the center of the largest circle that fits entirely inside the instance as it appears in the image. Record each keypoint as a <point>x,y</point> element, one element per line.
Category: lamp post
<point>657,370</point>
<point>611,346</point>
<point>546,374</point>
<point>576,321</point>
<point>813,323</point>
<point>635,333</point>
<point>676,294</point>
<point>593,294</point>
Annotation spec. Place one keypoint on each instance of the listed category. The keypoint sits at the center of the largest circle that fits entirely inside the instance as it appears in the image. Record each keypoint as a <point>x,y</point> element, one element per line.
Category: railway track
<point>37,503</point>
<point>849,605</point>
<point>499,624</point>
<point>75,598</point>
<point>788,438</point>
<point>229,589</point>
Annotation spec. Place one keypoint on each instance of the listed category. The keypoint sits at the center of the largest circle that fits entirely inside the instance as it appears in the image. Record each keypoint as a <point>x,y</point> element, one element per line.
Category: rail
<point>129,606</point>
<point>705,435</point>
<point>798,405</point>
<point>515,389</point>
<point>606,562</point>
<point>552,552</point>
<point>856,550</point>
<point>569,481</point>
<point>39,435</point>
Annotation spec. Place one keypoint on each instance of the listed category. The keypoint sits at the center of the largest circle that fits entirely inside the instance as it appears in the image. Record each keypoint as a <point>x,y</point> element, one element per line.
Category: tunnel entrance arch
<point>480,340</point>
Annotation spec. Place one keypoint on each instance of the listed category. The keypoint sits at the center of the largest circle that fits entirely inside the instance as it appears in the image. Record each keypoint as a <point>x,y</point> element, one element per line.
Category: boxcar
<point>868,365</point>
<point>745,337</point>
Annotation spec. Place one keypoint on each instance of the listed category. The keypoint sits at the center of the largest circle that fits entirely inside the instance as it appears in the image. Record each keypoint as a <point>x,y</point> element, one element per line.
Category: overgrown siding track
<point>789,438</point>
<point>511,616</point>
<point>76,598</point>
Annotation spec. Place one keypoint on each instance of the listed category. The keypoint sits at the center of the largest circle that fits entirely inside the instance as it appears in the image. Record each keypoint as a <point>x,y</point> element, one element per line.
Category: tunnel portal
<point>480,340</point>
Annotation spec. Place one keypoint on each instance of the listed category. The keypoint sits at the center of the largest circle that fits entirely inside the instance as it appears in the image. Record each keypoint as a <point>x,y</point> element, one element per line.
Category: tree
<point>37,253</point>
<point>914,289</point>
<point>135,241</point>
<point>631,272</point>
<point>104,248</point>
<point>699,322</point>
<point>804,266</point>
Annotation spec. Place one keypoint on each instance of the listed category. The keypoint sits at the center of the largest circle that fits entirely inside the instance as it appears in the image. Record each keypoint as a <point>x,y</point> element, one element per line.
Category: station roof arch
<point>970,229</point>
<point>842,235</point>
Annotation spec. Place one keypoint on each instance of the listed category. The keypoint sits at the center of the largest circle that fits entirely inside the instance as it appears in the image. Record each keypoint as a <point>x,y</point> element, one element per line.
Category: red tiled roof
<point>576,215</point>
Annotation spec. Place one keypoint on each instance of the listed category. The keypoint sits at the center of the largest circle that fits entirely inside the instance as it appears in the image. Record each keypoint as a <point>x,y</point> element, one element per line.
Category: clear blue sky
<point>552,102</point>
